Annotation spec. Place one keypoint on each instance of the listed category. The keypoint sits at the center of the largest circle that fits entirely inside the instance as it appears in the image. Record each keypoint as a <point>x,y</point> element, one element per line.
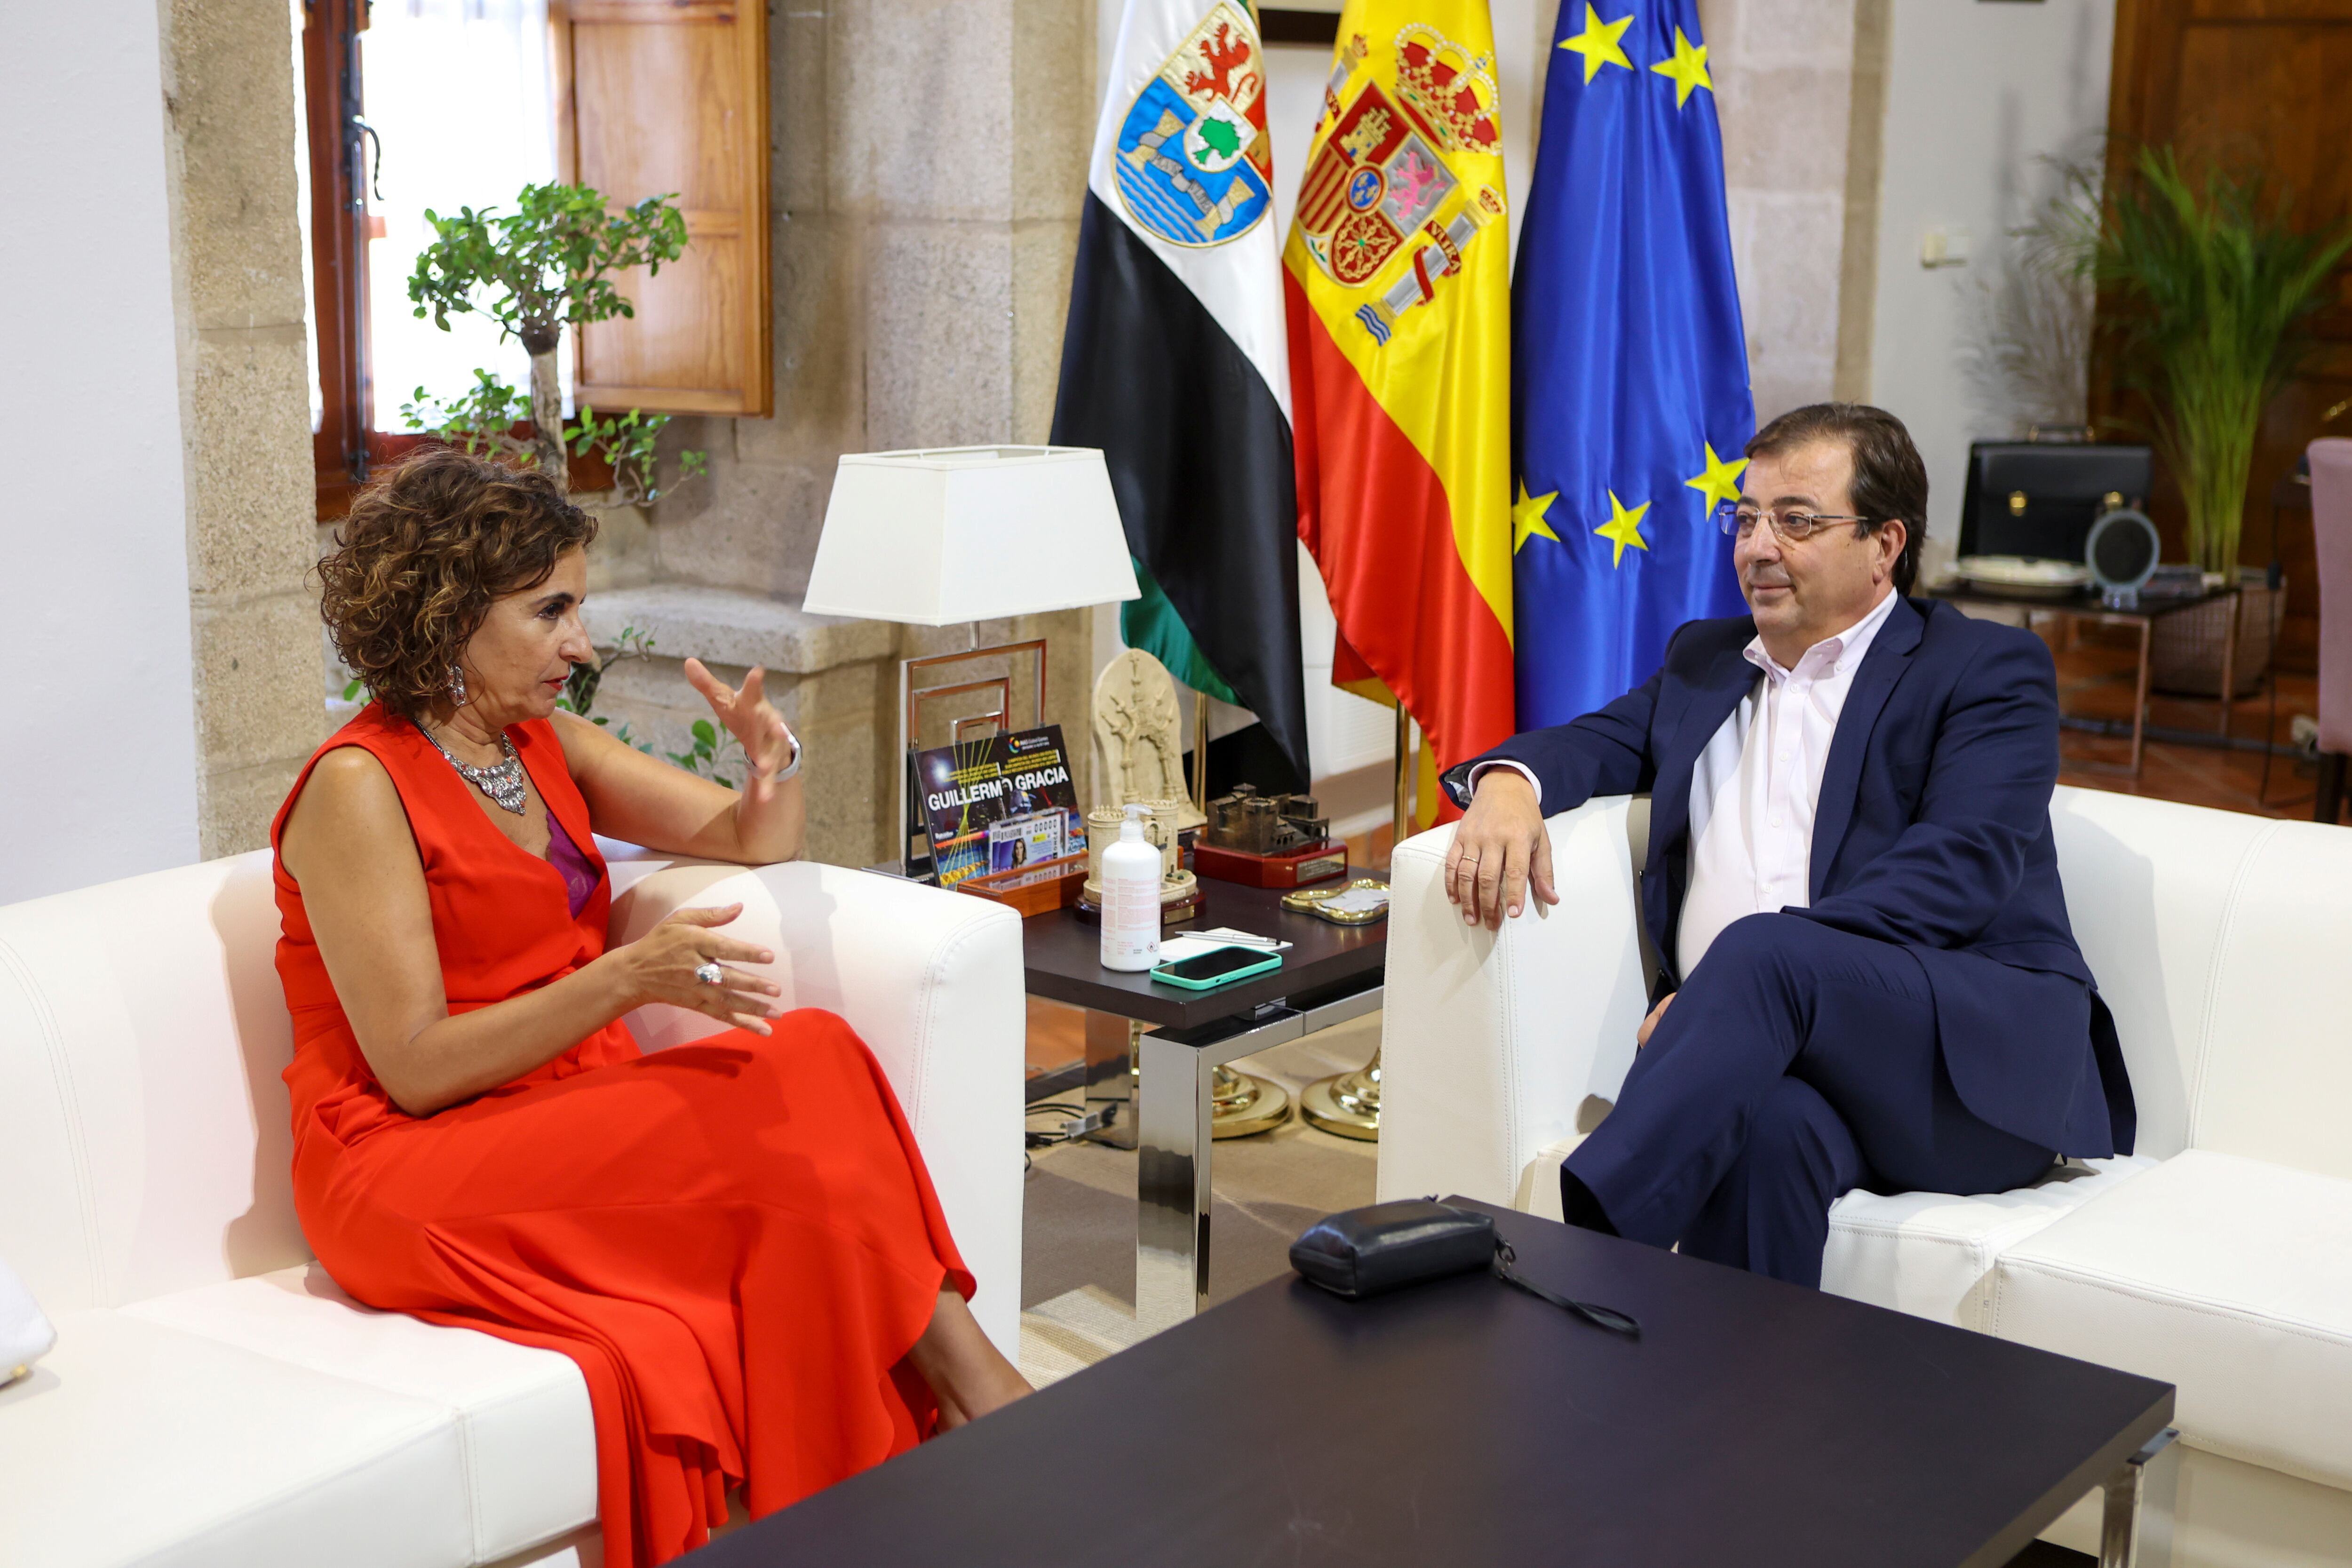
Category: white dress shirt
<point>1754,791</point>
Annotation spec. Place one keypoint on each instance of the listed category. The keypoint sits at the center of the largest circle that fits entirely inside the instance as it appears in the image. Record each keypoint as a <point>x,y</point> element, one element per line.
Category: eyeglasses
<point>1789,527</point>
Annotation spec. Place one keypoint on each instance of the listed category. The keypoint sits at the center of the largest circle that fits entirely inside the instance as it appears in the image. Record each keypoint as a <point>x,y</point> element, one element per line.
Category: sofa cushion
<point>1931,1253</point>
<point>521,1415</point>
<point>2229,1276</point>
<point>136,1443</point>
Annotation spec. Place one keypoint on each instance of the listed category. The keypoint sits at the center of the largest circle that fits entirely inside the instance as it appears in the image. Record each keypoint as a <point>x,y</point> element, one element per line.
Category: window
<point>419,60</point>
<point>672,95</point>
<point>412,104</point>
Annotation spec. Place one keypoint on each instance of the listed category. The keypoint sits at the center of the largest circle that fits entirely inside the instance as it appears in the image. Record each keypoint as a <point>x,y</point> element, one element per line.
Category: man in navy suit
<point>1867,977</point>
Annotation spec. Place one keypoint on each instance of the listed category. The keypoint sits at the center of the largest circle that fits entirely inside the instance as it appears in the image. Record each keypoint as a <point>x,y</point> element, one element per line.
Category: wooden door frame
<point>2144,106</point>
<point>331,106</point>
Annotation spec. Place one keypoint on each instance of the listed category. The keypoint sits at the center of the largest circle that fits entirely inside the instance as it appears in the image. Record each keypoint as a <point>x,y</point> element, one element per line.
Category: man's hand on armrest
<point>1499,849</point>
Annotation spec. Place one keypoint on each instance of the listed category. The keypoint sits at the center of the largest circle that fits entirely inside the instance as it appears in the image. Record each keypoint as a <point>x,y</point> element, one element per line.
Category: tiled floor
<point>1078,1265</point>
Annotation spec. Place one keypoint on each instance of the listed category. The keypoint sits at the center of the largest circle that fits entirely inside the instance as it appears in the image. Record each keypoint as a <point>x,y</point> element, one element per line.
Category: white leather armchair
<point>214,1398</point>
<point>2217,1256</point>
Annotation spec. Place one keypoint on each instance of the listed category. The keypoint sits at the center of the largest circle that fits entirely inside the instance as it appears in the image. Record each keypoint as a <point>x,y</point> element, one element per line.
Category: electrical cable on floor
<point>1047,1138</point>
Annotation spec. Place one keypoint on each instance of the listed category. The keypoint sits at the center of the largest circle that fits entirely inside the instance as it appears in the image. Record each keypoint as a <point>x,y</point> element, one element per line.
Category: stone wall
<point>229,88</point>
<point>1784,81</point>
<point>928,169</point>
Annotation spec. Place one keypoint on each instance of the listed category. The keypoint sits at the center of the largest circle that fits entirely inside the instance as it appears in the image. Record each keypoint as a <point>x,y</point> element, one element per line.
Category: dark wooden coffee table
<point>1465,1424</point>
<point>1330,974</point>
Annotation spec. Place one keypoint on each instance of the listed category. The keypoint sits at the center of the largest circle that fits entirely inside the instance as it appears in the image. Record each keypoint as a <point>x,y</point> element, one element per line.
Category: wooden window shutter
<point>659,96</point>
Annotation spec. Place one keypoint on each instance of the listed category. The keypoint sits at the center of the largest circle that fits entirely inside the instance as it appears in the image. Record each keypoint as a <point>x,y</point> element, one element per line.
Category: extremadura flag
<point>1397,276</point>
<point>1629,368</point>
<point>1175,360</point>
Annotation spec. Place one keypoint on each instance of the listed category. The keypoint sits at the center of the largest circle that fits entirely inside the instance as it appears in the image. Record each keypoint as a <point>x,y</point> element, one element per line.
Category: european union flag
<point>1628,370</point>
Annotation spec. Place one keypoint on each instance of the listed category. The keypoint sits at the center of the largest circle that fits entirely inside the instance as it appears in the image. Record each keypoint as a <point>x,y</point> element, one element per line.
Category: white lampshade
<point>969,533</point>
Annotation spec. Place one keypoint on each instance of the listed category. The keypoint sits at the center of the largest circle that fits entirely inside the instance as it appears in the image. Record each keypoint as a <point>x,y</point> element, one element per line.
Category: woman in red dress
<point>735,1240</point>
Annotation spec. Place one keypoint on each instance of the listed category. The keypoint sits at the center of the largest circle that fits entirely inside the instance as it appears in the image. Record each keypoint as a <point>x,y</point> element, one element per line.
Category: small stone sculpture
<point>1139,736</point>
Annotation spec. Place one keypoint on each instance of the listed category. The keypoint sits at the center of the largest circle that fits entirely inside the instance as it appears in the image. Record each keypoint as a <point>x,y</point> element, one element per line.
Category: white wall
<point>1976,94</point>
<point>98,758</point>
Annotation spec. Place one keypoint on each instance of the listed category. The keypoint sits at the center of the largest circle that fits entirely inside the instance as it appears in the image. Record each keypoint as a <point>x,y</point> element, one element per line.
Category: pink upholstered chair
<point>2331,526</point>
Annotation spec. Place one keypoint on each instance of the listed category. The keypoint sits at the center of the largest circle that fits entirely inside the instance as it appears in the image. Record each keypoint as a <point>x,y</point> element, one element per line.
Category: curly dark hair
<point>429,545</point>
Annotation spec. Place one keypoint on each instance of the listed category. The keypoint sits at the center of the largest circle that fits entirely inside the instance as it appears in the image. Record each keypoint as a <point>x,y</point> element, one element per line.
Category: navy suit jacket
<point>1932,831</point>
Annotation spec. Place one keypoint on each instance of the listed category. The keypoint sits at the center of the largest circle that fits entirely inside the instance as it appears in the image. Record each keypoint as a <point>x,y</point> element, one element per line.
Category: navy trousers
<point>1796,1062</point>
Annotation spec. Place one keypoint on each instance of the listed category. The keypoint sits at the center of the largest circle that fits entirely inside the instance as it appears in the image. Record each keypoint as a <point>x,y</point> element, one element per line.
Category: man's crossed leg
<point>1796,1062</point>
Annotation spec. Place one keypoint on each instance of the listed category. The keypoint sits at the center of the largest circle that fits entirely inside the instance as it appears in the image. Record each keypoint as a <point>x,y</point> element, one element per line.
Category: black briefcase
<point>2039,498</point>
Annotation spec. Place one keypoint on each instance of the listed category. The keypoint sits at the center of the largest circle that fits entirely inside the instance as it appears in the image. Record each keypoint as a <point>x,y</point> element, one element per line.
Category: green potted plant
<point>483,420</point>
<point>2212,287</point>
<point>548,263</point>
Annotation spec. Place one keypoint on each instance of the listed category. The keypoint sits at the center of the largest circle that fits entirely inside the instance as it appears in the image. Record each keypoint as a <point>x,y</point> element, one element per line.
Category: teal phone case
<point>1273,960</point>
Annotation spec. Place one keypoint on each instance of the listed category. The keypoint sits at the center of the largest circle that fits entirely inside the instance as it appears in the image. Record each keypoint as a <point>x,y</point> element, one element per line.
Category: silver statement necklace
<point>501,781</point>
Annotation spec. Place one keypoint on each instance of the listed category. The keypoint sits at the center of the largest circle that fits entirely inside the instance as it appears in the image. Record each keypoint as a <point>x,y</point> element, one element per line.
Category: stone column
<point>928,165</point>
<point>1865,167</point>
<point>1784,82</point>
<point>245,413</point>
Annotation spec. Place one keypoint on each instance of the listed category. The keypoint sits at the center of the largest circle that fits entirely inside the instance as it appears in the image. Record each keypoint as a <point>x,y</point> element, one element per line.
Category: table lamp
<point>943,535</point>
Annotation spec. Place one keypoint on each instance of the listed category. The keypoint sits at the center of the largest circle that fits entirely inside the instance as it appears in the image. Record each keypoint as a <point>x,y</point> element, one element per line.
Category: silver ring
<point>709,974</point>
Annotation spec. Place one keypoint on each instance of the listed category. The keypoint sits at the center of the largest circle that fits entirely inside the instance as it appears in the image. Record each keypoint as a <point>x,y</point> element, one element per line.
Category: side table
<point>1330,974</point>
<point>2144,615</point>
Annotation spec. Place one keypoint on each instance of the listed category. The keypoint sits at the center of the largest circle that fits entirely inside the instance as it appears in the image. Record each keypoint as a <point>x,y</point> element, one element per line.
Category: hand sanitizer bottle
<point>1131,897</point>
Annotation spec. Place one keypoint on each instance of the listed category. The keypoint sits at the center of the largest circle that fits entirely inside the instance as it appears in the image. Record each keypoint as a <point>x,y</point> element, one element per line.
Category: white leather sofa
<point>213,1397</point>
<point>2217,1256</point>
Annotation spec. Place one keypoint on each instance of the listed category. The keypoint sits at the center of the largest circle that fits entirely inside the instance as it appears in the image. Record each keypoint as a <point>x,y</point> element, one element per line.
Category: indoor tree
<point>2213,287</point>
<point>548,263</point>
<point>481,421</point>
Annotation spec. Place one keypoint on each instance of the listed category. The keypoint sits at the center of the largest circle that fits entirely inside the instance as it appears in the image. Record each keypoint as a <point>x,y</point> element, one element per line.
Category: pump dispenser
<point>1131,897</point>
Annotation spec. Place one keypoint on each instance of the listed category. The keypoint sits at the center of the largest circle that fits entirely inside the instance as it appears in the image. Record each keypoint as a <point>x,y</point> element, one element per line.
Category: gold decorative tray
<point>1318,902</point>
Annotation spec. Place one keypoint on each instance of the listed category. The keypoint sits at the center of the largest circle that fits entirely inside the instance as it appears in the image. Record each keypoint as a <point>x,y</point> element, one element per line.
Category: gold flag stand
<point>1241,1102</point>
<point>1348,1103</point>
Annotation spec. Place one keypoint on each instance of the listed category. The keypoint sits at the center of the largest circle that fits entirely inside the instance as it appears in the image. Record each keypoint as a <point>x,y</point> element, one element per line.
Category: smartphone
<point>1205,971</point>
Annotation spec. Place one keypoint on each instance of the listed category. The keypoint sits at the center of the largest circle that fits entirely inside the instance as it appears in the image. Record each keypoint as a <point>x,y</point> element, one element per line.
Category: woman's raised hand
<point>661,964</point>
<point>748,715</point>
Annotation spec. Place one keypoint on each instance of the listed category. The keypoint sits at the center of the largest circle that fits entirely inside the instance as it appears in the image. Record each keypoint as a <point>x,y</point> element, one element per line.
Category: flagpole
<point>1348,1103</point>
<point>1403,812</point>
<point>1201,753</point>
<point>1241,1103</point>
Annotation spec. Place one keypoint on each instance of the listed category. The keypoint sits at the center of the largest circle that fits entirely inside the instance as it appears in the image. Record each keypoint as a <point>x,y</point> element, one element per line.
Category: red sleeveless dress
<point>735,1240</point>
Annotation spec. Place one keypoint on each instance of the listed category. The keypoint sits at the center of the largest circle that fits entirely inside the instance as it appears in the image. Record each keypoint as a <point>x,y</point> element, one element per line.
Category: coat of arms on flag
<point>1194,161</point>
<point>1381,179</point>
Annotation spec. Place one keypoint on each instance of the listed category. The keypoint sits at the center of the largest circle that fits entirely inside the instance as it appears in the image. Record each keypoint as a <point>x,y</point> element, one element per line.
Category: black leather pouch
<point>1370,1251</point>
<point>1367,1251</point>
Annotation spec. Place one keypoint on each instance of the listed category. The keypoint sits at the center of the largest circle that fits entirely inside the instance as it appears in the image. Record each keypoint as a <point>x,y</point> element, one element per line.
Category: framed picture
<point>999,804</point>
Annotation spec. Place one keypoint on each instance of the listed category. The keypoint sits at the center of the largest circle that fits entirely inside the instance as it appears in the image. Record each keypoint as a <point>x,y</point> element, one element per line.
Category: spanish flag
<point>1397,280</point>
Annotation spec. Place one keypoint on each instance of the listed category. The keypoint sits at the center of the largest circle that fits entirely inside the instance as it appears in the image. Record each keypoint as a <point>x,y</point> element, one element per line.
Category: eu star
<point>1720,482</point>
<point>1527,517</point>
<point>1598,43</point>
<point>1624,528</point>
<point>1686,68</point>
